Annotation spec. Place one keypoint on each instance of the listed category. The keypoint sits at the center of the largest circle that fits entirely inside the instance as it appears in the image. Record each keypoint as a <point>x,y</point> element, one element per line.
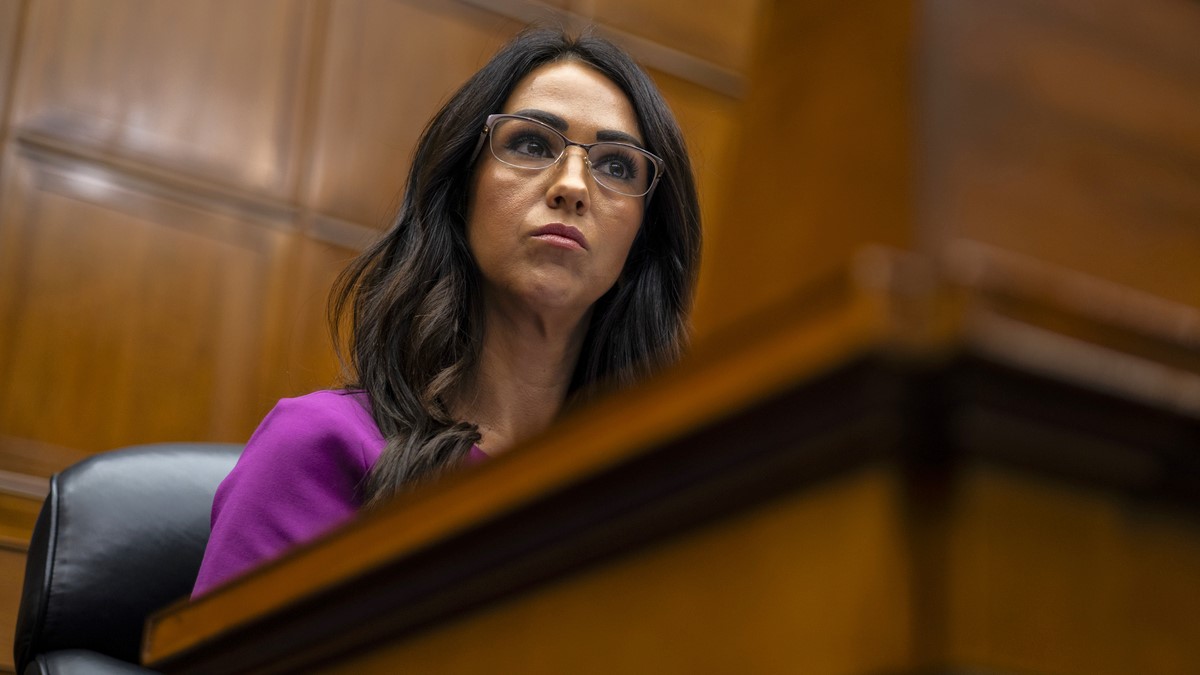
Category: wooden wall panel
<point>12,575</point>
<point>207,88</point>
<point>388,66</point>
<point>127,317</point>
<point>720,31</point>
<point>18,511</point>
<point>709,122</point>
<point>1069,133</point>
<point>10,15</point>
<point>306,358</point>
<point>825,146</point>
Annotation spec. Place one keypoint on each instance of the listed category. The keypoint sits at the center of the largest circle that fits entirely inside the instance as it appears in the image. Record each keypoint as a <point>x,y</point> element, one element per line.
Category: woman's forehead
<point>581,97</point>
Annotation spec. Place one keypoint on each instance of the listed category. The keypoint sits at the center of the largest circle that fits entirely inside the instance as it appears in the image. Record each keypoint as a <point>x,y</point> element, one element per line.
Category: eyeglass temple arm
<point>479,144</point>
<point>658,174</point>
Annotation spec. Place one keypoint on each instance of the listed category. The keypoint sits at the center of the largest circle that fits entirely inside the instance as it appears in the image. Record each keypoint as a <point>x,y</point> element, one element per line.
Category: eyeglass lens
<point>530,145</point>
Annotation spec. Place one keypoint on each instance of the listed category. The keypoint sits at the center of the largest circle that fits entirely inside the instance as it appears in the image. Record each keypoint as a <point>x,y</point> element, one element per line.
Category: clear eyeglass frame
<point>653,160</point>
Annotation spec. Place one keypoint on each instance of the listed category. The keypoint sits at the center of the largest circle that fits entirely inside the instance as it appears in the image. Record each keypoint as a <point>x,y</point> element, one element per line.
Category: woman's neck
<point>521,382</point>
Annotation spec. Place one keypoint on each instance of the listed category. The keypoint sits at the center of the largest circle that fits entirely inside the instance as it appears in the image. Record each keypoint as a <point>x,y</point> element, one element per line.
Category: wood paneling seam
<point>648,53</point>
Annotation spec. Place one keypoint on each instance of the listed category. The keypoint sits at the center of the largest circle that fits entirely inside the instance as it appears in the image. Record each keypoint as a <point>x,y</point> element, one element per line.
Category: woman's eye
<point>530,146</point>
<point>617,166</point>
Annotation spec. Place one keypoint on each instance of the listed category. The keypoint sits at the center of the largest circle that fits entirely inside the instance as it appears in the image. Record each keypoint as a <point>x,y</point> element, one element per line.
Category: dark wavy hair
<point>412,300</point>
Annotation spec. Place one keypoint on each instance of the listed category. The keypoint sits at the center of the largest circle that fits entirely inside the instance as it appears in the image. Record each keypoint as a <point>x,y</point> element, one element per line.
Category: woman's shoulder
<point>327,422</point>
<point>345,410</point>
<point>331,401</point>
<point>298,477</point>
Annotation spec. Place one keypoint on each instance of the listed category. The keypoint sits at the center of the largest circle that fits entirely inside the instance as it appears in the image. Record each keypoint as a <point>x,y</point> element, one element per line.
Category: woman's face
<point>516,217</point>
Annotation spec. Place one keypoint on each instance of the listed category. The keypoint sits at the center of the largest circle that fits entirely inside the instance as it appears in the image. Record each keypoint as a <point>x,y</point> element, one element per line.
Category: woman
<point>546,249</point>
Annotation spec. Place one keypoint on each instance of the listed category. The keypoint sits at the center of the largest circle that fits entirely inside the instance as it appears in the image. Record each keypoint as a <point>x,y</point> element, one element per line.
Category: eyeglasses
<point>529,144</point>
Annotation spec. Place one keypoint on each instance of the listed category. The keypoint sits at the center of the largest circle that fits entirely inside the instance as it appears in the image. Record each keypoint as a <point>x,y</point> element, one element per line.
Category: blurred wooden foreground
<point>943,407</point>
<point>866,484</point>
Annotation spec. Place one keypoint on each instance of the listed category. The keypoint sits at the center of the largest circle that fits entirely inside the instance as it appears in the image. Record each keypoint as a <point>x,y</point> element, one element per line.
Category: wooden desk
<point>900,475</point>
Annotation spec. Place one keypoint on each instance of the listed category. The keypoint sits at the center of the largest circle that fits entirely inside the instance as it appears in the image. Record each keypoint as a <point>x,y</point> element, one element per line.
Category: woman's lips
<point>563,236</point>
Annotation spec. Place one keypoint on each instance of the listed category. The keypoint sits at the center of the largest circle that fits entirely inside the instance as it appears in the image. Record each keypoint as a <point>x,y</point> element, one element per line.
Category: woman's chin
<point>552,291</point>
<point>564,299</point>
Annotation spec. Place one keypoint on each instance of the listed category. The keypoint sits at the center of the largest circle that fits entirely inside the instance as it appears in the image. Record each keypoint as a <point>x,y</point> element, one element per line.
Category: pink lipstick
<point>563,236</point>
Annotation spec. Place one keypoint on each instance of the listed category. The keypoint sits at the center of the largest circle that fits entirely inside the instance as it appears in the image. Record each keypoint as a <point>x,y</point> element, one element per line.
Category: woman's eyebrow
<point>618,136</point>
<point>561,124</point>
<point>545,118</point>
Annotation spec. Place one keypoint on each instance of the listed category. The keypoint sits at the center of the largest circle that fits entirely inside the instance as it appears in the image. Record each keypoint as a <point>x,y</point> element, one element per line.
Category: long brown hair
<point>412,300</point>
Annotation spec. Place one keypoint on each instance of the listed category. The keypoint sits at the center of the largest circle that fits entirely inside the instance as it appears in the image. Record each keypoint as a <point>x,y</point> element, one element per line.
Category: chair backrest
<point>119,536</point>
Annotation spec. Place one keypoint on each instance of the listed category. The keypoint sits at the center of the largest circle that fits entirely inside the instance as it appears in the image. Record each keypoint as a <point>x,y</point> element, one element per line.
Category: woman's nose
<point>570,186</point>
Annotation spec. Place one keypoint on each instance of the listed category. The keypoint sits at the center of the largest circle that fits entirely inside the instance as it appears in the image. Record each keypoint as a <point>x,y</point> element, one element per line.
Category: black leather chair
<point>119,536</point>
